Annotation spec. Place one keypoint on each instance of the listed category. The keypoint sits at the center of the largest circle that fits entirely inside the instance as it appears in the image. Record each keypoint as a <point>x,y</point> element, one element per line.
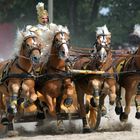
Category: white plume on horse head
<point>20,36</point>
<point>136,30</point>
<point>102,31</point>
<point>18,40</point>
<point>63,29</point>
<point>48,36</point>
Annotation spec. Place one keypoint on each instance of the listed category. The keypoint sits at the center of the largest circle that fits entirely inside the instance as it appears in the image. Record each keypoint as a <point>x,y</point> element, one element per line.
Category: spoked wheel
<point>94,117</point>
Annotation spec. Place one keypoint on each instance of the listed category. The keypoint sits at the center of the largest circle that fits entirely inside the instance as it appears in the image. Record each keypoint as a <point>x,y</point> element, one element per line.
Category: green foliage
<point>123,15</point>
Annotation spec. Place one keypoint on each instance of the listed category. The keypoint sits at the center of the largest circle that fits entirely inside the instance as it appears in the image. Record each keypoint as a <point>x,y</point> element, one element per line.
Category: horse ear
<point>22,33</point>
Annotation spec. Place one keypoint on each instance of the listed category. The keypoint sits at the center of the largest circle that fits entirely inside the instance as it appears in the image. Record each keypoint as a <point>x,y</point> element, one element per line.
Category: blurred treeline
<point>81,16</point>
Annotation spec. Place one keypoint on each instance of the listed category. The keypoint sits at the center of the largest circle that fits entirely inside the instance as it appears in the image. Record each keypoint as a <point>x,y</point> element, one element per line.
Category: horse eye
<point>68,41</point>
<point>27,45</point>
<point>56,40</point>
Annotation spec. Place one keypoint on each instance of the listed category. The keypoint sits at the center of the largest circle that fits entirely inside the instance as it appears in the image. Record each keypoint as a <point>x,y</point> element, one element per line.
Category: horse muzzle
<point>35,59</point>
<point>68,102</point>
<point>63,55</point>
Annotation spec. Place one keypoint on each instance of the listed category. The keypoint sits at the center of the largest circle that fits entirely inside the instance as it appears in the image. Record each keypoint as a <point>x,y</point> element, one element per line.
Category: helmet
<point>41,11</point>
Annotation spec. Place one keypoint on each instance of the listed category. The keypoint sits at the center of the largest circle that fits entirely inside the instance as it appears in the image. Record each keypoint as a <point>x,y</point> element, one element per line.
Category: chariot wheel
<point>94,117</point>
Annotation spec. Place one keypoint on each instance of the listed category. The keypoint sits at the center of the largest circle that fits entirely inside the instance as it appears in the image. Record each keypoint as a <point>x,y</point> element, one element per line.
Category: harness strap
<point>22,75</point>
<point>17,64</point>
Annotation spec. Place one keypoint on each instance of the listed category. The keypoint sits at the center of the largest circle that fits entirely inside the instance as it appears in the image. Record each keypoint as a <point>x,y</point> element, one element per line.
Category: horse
<point>129,79</point>
<point>54,82</point>
<point>95,86</point>
<point>18,75</point>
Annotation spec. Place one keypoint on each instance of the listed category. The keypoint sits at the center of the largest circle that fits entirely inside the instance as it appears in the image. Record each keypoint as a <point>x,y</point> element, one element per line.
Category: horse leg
<point>137,102</point>
<point>2,105</point>
<point>103,108</point>
<point>12,105</point>
<point>51,106</point>
<point>112,94</point>
<point>60,125</point>
<point>68,91</point>
<point>58,104</point>
<point>4,100</point>
<point>96,91</point>
<point>31,96</point>
<point>80,97</point>
<point>118,108</point>
<point>128,97</point>
<point>98,99</point>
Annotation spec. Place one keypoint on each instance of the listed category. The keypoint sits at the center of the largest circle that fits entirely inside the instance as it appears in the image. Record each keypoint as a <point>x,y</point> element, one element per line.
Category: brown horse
<point>130,81</point>
<point>17,75</point>
<point>56,84</point>
<point>97,86</point>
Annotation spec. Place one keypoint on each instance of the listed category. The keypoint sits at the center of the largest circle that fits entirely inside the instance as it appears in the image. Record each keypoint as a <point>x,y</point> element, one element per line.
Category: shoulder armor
<point>31,28</point>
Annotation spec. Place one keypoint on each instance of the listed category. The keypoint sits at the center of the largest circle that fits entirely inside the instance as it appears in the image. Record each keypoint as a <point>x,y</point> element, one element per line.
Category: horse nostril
<point>35,59</point>
<point>63,52</point>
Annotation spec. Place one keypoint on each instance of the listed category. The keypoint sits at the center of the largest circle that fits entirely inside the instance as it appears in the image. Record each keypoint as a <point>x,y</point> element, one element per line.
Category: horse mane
<point>48,35</point>
<point>134,37</point>
<point>102,30</point>
<point>136,30</point>
<point>21,35</point>
<point>63,29</point>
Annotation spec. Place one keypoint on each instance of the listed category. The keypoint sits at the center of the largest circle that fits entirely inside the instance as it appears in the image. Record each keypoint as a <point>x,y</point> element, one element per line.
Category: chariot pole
<point>50,10</point>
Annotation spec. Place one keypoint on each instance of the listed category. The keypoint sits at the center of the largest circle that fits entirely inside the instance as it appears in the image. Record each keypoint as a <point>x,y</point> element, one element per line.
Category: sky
<point>104,11</point>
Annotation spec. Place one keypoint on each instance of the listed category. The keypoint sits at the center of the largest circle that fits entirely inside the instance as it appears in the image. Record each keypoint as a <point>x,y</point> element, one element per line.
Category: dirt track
<point>110,128</point>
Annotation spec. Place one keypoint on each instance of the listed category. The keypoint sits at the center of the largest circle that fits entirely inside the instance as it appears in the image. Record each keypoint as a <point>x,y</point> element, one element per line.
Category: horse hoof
<point>86,130</point>
<point>118,110</point>
<point>12,110</point>
<point>4,121</point>
<point>40,115</point>
<point>104,112</point>
<point>87,108</point>
<point>68,102</point>
<point>111,102</point>
<point>123,117</point>
<point>137,115</point>
<point>93,103</point>
<point>12,133</point>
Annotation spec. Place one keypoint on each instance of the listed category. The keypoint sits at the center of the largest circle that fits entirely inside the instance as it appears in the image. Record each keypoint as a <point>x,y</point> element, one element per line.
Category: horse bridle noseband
<point>58,43</point>
<point>31,48</point>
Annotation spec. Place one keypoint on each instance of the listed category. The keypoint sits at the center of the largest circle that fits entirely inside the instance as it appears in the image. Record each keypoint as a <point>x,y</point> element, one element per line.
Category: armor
<point>43,20</point>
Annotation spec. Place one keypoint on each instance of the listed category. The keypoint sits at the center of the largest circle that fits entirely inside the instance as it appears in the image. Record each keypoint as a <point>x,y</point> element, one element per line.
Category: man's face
<point>44,19</point>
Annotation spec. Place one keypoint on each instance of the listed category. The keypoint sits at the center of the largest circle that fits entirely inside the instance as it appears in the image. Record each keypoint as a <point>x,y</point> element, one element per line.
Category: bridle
<point>31,48</point>
<point>58,43</point>
<point>104,40</point>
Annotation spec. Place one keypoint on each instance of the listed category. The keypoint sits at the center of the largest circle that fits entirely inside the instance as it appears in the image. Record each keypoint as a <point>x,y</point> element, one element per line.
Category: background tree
<point>81,16</point>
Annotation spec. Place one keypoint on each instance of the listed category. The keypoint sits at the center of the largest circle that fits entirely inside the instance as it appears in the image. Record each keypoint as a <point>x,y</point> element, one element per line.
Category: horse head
<point>103,36</point>
<point>31,47</point>
<point>102,45</point>
<point>61,44</point>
